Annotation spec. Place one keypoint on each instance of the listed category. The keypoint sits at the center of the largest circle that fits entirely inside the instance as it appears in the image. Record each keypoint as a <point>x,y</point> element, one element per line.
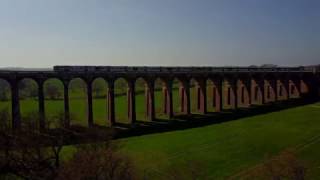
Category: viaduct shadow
<point>181,122</point>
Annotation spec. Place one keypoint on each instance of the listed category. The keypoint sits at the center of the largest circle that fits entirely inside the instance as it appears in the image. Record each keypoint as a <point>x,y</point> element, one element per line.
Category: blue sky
<point>43,33</point>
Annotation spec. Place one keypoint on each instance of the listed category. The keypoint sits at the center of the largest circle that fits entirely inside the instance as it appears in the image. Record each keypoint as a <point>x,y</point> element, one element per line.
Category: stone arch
<point>77,88</point>
<point>29,102</point>
<point>54,102</point>
<point>99,101</point>
<point>5,104</point>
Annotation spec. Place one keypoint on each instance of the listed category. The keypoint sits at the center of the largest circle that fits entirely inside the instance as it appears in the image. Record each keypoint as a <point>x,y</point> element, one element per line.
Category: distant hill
<point>25,69</point>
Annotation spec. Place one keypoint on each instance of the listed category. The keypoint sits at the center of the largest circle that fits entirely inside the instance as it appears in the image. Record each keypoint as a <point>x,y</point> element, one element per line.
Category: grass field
<point>227,148</point>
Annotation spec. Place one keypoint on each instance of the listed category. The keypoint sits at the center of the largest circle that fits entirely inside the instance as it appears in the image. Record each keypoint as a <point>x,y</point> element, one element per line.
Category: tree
<point>268,66</point>
<point>121,86</point>
<point>28,88</point>
<point>53,91</point>
<point>99,88</point>
<point>24,155</point>
<point>97,162</point>
<point>31,154</point>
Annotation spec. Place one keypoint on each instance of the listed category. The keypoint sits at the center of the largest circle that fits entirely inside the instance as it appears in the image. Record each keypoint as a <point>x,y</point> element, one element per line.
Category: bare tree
<point>28,153</point>
<point>97,162</point>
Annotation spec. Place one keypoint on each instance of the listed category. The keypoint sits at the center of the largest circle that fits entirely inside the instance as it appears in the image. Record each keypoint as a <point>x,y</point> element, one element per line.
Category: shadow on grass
<point>180,122</point>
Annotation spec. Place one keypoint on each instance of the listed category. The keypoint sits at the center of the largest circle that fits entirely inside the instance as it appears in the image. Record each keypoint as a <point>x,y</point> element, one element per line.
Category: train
<point>159,69</point>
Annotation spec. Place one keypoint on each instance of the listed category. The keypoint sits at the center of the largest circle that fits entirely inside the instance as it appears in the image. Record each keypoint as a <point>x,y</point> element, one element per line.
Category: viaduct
<point>233,86</point>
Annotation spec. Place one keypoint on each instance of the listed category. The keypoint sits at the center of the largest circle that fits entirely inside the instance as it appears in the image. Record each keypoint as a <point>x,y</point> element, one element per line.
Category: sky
<point>44,33</point>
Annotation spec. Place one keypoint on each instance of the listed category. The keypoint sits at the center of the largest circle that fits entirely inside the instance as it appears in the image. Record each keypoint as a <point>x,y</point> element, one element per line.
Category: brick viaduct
<point>233,86</point>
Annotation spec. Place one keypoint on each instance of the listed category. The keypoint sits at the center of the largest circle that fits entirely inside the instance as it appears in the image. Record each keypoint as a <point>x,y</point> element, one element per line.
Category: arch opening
<point>243,94</point>
<point>269,92</point>
<point>159,95</point>
<point>29,104</point>
<point>54,105</point>
<point>121,102</point>
<point>141,99</point>
<point>78,102</point>
<point>194,103</point>
<point>257,94</point>
<point>177,103</point>
<point>294,89</point>
<point>211,95</point>
<point>228,94</point>
<point>99,102</point>
<point>280,90</point>
<point>215,94</point>
<point>198,94</point>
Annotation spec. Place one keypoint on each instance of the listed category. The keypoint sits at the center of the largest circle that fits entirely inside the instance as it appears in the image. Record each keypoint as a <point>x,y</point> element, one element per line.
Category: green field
<point>227,148</point>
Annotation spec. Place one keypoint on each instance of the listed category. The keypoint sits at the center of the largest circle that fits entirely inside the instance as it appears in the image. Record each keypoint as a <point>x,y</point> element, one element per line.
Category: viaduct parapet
<point>232,86</point>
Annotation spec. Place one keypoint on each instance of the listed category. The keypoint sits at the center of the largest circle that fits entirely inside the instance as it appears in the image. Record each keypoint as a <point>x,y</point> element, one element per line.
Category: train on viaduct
<point>236,86</point>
